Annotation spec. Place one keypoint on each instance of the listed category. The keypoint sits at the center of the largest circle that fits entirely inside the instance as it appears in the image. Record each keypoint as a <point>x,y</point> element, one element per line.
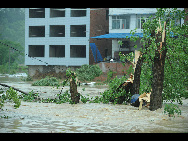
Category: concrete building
<point>121,22</point>
<point>57,38</point>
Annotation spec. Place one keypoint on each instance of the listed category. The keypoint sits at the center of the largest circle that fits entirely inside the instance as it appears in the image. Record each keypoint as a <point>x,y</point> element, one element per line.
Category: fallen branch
<point>4,85</point>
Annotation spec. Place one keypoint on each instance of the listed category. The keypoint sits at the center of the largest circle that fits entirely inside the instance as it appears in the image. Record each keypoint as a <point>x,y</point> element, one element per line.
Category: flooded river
<point>90,117</point>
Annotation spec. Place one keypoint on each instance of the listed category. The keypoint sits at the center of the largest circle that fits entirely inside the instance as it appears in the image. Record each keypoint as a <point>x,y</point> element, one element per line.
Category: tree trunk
<point>157,83</point>
<point>75,96</point>
<point>4,85</point>
<point>158,69</point>
<point>137,73</point>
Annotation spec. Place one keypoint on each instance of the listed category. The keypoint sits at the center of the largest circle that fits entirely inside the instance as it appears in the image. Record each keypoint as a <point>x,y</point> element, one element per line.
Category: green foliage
<point>30,97</point>
<point>171,109</point>
<point>71,74</point>
<point>11,94</point>
<point>175,70</point>
<point>110,75</point>
<point>12,33</point>
<point>114,95</point>
<point>146,78</point>
<point>64,97</point>
<point>12,25</point>
<point>15,56</point>
<point>84,99</point>
<point>126,57</point>
<point>47,81</point>
<point>88,72</point>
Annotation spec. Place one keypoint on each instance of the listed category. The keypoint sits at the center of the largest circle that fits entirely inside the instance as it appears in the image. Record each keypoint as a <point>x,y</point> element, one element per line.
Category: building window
<point>78,51</point>
<point>142,19</point>
<point>57,51</point>
<point>121,22</point>
<point>36,31</point>
<point>78,12</point>
<point>36,50</point>
<point>57,12</point>
<point>78,30</point>
<point>57,30</point>
<point>36,12</point>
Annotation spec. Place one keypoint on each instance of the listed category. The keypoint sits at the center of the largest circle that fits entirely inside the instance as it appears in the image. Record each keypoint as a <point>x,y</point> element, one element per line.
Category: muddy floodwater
<point>84,118</point>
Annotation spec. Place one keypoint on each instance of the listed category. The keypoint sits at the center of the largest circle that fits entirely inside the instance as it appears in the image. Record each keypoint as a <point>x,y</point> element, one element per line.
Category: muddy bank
<point>89,117</point>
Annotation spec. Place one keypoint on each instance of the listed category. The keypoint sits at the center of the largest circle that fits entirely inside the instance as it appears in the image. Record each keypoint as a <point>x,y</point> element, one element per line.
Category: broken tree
<point>75,96</point>
<point>158,68</point>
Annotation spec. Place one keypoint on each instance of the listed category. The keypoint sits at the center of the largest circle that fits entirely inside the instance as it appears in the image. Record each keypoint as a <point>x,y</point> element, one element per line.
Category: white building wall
<point>67,40</point>
<point>133,13</point>
<point>119,11</point>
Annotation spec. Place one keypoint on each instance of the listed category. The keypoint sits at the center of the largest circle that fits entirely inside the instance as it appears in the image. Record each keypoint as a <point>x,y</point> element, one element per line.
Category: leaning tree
<point>162,64</point>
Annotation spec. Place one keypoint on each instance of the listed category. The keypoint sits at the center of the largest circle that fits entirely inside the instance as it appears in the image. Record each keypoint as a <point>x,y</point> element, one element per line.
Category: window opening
<point>120,22</point>
<point>78,51</point>
<point>36,12</point>
<point>57,12</point>
<point>36,50</point>
<point>57,30</point>
<point>141,20</point>
<point>36,31</point>
<point>78,12</point>
<point>78,31</point>
<point>57,51</point>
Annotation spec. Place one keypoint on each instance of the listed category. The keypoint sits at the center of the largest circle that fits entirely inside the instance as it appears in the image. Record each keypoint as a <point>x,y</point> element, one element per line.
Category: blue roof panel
<point>119,35</point>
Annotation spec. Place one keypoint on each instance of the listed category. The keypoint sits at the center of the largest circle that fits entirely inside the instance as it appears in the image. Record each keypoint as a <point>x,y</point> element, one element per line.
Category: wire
<point>24,53</point>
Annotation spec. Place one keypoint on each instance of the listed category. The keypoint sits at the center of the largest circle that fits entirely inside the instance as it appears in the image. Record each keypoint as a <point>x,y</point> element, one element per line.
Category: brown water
<point>89,117</point>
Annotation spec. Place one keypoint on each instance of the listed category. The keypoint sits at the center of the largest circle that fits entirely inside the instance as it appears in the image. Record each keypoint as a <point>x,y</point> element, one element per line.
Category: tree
<point>163,41</point>
<point>12,25</point>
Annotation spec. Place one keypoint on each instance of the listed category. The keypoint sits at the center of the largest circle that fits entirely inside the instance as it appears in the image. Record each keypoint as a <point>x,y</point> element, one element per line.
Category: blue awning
<point>118,35</point>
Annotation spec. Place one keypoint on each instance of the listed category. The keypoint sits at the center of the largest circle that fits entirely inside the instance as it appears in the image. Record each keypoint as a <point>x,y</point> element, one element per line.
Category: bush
<point>114,94</point>
<point>11,94</point>
<point>88,72</point>
<point>47,81</point>
<point>171,109</point>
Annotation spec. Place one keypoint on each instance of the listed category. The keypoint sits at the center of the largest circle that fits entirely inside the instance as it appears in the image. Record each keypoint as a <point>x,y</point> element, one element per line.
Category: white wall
<point>132,12</point>
<point>113,11</point>
<point>67,40</point>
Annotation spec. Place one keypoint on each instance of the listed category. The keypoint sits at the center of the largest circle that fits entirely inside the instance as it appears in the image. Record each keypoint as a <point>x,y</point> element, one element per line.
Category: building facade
<point>57,38</point>
<point>121,22</point>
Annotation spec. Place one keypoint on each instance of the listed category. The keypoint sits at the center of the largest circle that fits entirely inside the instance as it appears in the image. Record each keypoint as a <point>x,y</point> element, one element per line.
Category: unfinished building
<point>57,30</point>
<point>56,37</point>
<point>36,31</point>
<point>36,50</point>
<point>57,12</point>
<point>36,12</point>
<point>77,30</point>
<point>78,12</point>
<point>57,51</point>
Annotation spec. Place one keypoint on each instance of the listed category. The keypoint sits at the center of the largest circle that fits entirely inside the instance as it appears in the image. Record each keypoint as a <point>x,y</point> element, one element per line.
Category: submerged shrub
<point>47,81</point>
<point>88,72</point>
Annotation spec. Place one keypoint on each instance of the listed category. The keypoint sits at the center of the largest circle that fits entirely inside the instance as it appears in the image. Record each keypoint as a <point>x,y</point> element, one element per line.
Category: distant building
<point>121,22</point>
<point>57,38</point>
